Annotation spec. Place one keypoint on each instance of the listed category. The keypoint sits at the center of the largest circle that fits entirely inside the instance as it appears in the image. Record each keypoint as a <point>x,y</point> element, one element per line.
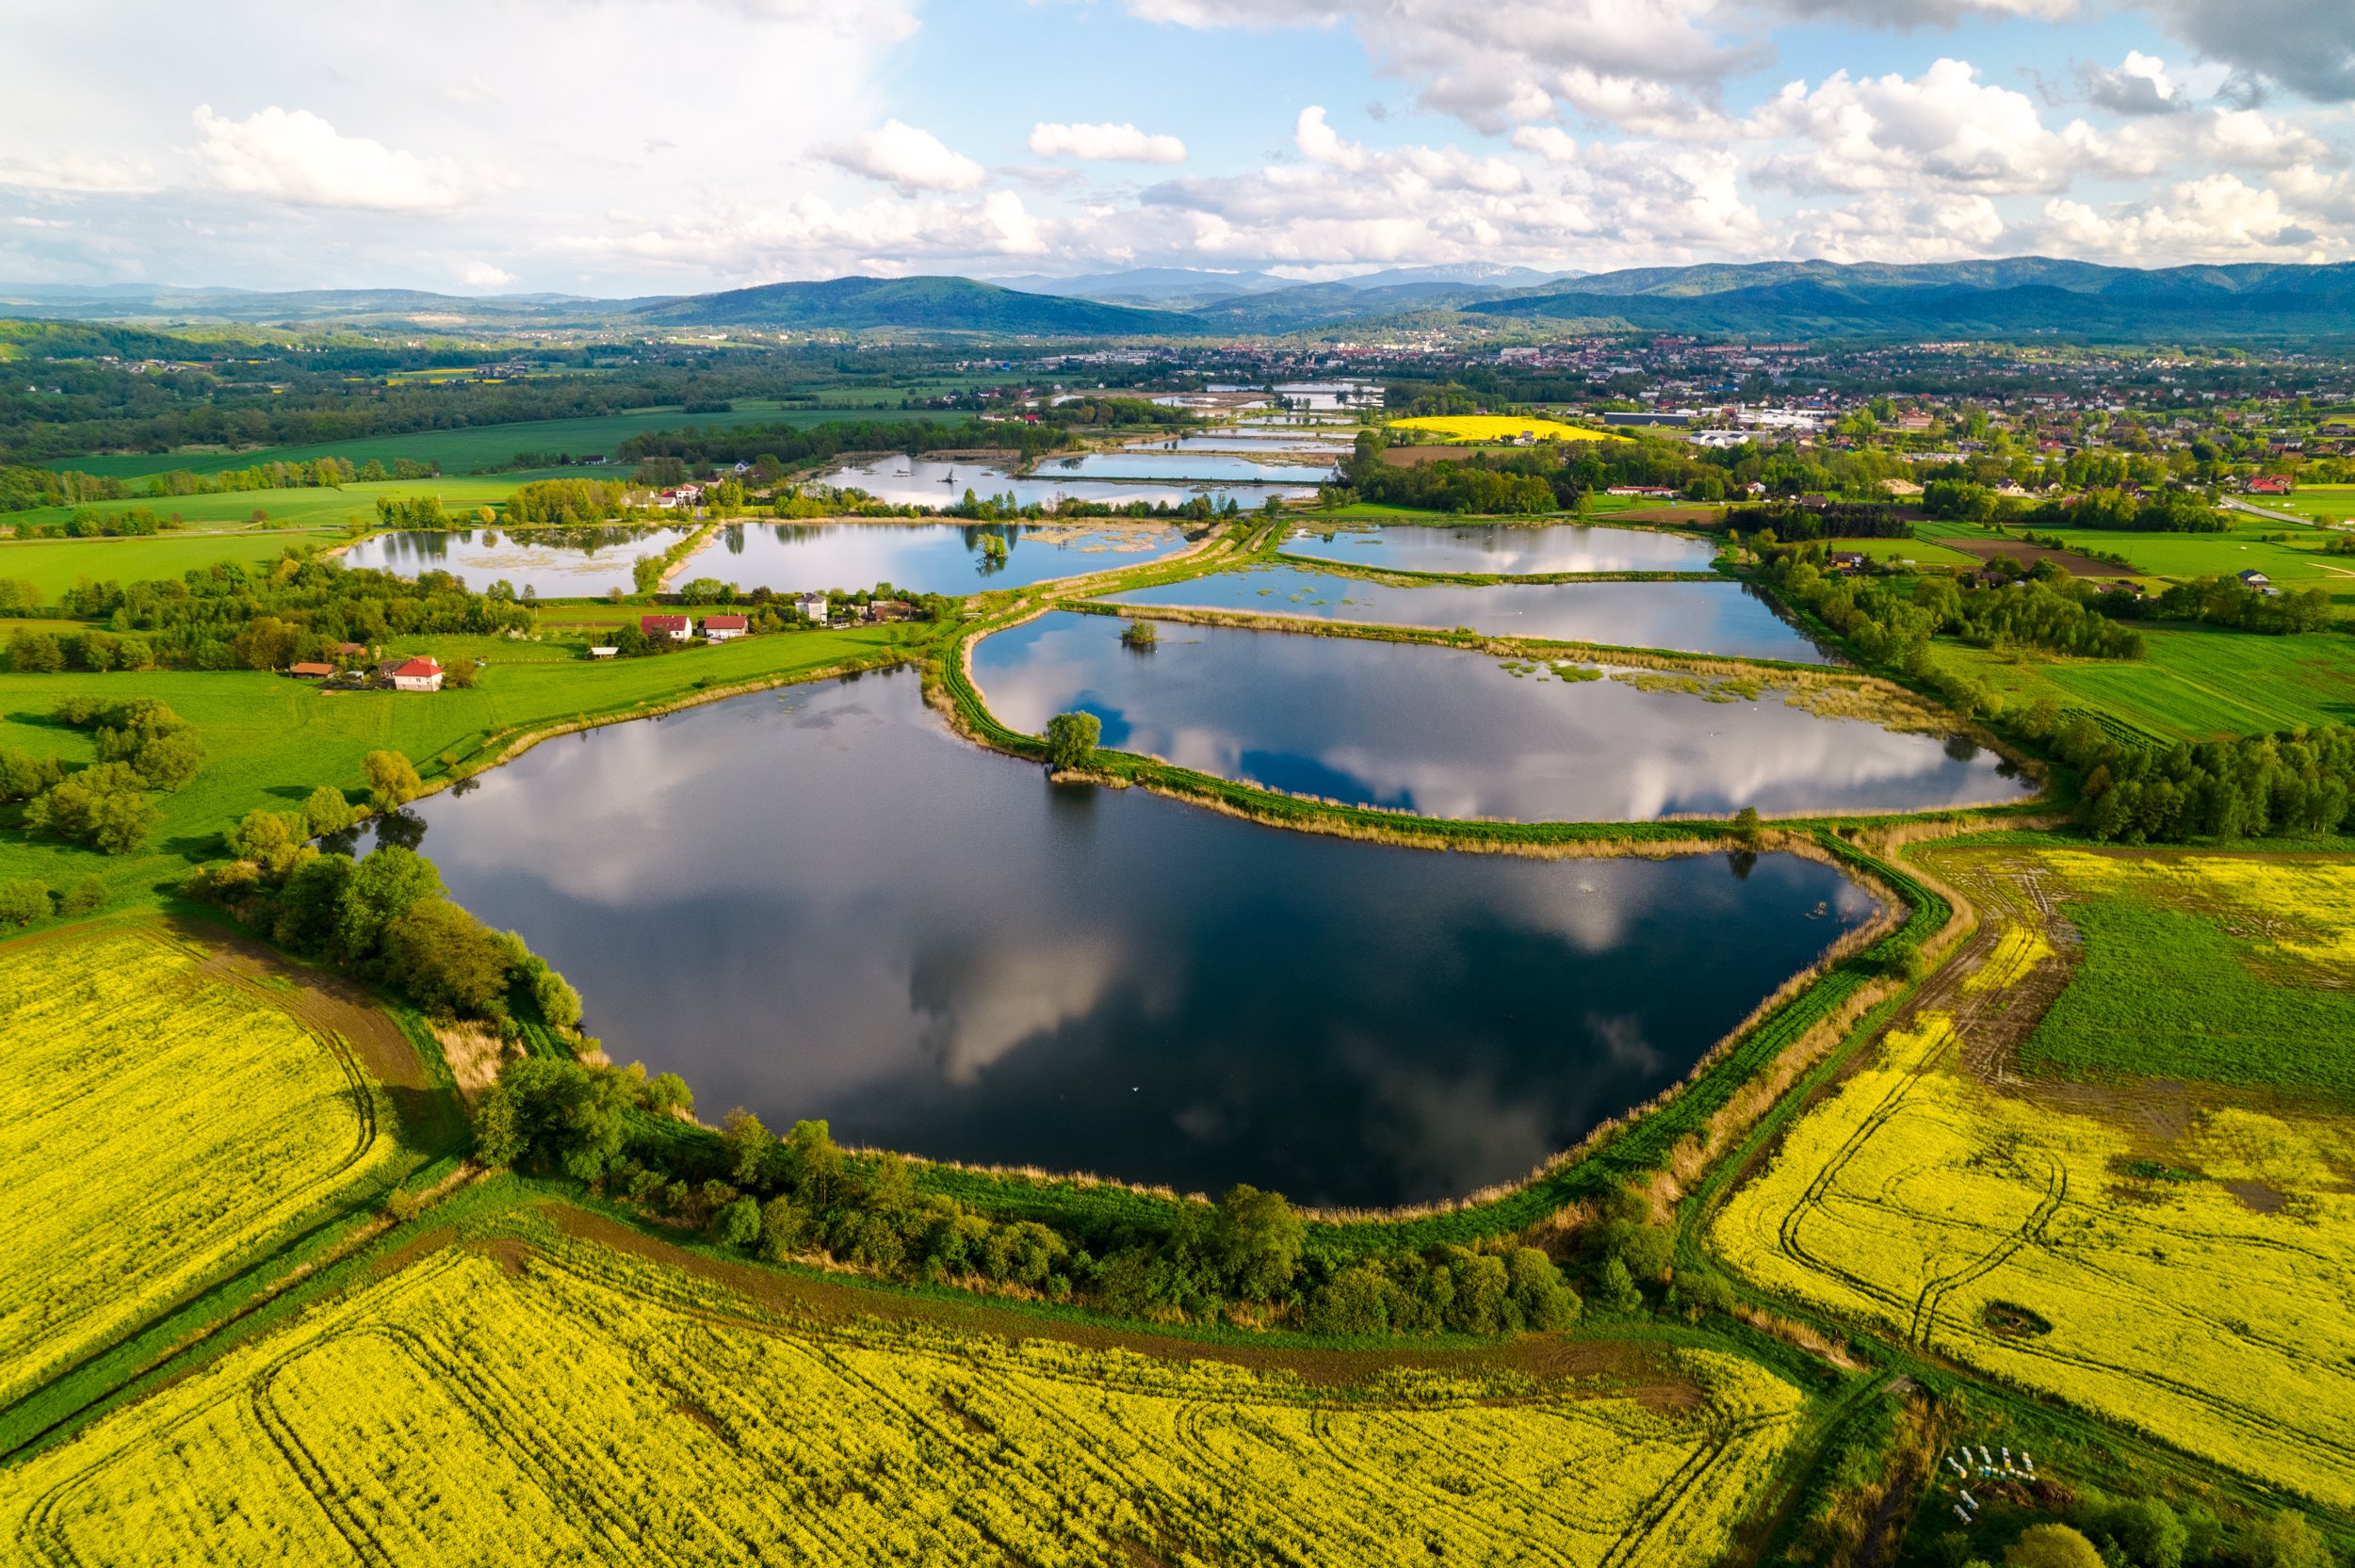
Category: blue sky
<point>615,147</point>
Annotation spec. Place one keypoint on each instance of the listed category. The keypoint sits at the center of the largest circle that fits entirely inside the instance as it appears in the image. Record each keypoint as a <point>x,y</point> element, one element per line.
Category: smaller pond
<point>923,558</point>
<point>905,480</point>
<point>1204,468</point>
<point>1726,618</point>
<point>569,563</point>
<point>1250,441</point>
<point>1504,550</point>
<point>1445,732</point>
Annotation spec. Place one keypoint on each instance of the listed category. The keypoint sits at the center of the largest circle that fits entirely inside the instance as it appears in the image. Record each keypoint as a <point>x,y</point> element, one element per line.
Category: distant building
<point>2253,579</point>
<point>678,628</point>
<point>603,653</point>
<point>1847,561</point>
<point>720,628</point>
<point>2272,484</point>
<point>812,606</point>
<point>418,674</point>
<point>310,671</point>
<point>1648,418</point>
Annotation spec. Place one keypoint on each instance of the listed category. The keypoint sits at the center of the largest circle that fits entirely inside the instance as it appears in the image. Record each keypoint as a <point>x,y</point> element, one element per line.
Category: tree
<point>169,760</point>
<point>32,652</point>
<point>106,807</point>
<point>271,839</point>
<point>382,888</point>
<point>557,1110</point>
<point>1538,1290</point>
<point>810,1164</point>
<point>1071,738</point>
<point>749,1145</point>
<point>1256,1239</point>
<point>1356,1302</point>
<point>2287,1541</point>
<point>326,811</point>
<point>1618,1287</point>
<point>85,896</point>
<point>557,1002</point>
<point>2052,1547</point>
<point>392,779</point>
<point>445,958</point>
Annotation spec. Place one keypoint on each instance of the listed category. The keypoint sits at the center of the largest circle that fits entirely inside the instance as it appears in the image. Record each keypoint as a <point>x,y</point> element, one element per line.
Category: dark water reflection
<point>818,903</point>
<point>1726,618</point>
<point>1449,733</point>
<point>1494,547</point>
<point>555,563</point>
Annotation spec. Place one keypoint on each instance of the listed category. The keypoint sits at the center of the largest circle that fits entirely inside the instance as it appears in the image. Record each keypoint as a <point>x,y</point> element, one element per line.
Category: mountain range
<point>2014,296</point>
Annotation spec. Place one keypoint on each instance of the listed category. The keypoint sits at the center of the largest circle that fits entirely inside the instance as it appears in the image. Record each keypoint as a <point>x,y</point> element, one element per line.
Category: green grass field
<point>2244,548</point>
<point>2323,503</point>
<point>307,509</point>
<point>2197,682</point>
<point>271,740</point>
<point>460,451</point>
<point>54,564</point>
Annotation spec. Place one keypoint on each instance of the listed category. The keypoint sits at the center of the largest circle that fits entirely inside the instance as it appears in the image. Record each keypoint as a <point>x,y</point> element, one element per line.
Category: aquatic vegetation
<point>589,1406</point>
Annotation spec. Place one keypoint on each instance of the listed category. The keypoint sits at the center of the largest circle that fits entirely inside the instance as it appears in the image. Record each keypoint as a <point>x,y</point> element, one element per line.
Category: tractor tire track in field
<point>2031,1229</point>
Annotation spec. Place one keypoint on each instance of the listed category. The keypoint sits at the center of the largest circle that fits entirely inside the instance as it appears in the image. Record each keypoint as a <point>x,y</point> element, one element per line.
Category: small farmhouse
<point>720,628</point>
<point>310,671</point>
<point>418,674</point>
<point>2254,579</point>
<point>2272,484</point>
<point>812,606</point>
<point>678,628</point>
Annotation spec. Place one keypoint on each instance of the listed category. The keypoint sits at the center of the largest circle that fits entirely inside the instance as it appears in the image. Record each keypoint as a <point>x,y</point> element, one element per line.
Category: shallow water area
<point>924,557</point>
<point>1197,467</point>
<point>817,902</point>
<point>1449,733</point>
<point>1248,442</point>
<point>554,563</point>
<point>1726,618</point>
<point>903,481</point>
<point>1482,548</point>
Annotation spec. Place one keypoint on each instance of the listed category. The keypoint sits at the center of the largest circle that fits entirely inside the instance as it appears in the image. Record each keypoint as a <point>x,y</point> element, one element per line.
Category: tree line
<point>2297,784</point>
<point>781,445</point>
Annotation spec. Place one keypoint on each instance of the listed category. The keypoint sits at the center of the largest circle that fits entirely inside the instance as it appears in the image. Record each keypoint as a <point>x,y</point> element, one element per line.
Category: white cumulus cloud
<point>300,159</point>
<point>907,159</point>
<point>1105,144</point>
<point>109,175</point>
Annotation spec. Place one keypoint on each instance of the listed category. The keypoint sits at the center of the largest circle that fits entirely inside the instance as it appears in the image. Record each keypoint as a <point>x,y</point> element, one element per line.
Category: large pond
<point>904,480</point>
<point>923,558</point>
<point>1202,468</point>
<point>1726,618</point>
<point>1483,547</point>
<point>818,903</point>
<point>1248,442</point>
<point>574,563</point>
<point>1447,732</point>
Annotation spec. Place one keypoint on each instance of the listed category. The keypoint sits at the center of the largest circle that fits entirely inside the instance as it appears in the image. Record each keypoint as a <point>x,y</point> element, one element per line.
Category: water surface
<point>904,480</point>
<point>1483,547</point>
<point>1726,618</point>
<point>923,558</point>
<point>1201,468</point>
<point>571,563</point>
<point>818,903</point>
<point>1447,732</point>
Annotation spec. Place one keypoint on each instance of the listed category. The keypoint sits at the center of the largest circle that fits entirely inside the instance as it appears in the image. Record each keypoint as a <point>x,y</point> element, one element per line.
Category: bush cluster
<point>143,749</point>
<point>2300,783</point>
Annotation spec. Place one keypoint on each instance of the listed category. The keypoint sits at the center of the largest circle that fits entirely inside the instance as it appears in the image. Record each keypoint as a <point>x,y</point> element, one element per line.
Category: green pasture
<point>272,740</point>
<point>54,565</point>
<point>1923,552</point>
<point>2197,682</point>
<point>461,451</point>
<point>2322,503</point>
<point>2185,555</point>
<point>323,508</point>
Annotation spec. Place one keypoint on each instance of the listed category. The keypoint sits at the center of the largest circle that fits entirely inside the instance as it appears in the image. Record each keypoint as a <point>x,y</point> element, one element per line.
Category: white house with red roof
<point>718,628</point>
<point>678,628</point>
<point>419,674</point>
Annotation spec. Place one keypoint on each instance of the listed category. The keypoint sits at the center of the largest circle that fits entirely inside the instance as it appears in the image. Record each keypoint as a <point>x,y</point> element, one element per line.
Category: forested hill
<point>943,304</point>
<point>2013,297</point>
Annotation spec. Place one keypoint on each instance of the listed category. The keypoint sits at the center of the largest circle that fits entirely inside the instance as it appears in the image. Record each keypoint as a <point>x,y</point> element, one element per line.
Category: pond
<point>1204,468</point>
<point>572,563</point>
<point>906,481</point>
<point>1485,548</point>
<point>923,558</point>
<point>1446,732</point>
<point>1726,618</point>
<point>1252,440</point>
<point>818,903</point>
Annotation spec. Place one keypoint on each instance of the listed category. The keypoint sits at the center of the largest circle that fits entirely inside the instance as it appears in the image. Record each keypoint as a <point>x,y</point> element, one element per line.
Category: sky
<point>613,148</point>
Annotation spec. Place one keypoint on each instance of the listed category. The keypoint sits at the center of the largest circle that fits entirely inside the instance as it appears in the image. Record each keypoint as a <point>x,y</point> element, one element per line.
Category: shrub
<point>32,652</point>
<point>106,807</point>
<point>22,903</point>
<point>85,896</point>
<point>24,775</point>
<point>737,1224</point>
<point>392,778</point>
<point>2052,1547</point>
<point>326,811</point>
<point>445,959</point>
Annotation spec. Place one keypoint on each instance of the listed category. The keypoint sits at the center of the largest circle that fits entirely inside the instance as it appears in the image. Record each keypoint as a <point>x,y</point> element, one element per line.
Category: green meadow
<point>2195,683</point>
<point>299,508</point>
<point>271,740</point>
<point>462,452</point>
<point>54,565</point>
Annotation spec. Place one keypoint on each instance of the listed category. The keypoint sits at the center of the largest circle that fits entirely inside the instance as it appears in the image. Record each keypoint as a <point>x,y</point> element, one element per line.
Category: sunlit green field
<point>54,564</point>
<point>461,451</point>
<point>2195,683</point>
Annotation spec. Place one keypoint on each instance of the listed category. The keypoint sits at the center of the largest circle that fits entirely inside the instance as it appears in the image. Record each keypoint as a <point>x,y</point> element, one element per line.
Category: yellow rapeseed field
<point>2315,898</point>
<point>154,1122</point>
<point>2017,950</point>
<point>1497,427</point>
<point>596,1409</point>
<point>2042,1244</point>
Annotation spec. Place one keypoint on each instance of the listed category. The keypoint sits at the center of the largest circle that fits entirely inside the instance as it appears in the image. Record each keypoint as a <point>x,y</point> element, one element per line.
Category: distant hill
<point>939,304</point>
<point>122,303</point>
<point>2010,296</point>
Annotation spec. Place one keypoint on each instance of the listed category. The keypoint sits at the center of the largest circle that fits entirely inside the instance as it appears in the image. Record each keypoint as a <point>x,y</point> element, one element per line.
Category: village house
<point>720,628</point>
<point>678,628</point>
<point>418,674</point>
<point>2272,484</point>
<point>811,606</point>
<point>310,671</point>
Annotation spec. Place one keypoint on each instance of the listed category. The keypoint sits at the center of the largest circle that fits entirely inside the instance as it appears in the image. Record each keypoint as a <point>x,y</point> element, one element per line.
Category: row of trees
<point>2300,783</point>
<point>801,1194</point>
<point>782,446</point>
<point>1891,627</point>
<point>1834,520</point>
